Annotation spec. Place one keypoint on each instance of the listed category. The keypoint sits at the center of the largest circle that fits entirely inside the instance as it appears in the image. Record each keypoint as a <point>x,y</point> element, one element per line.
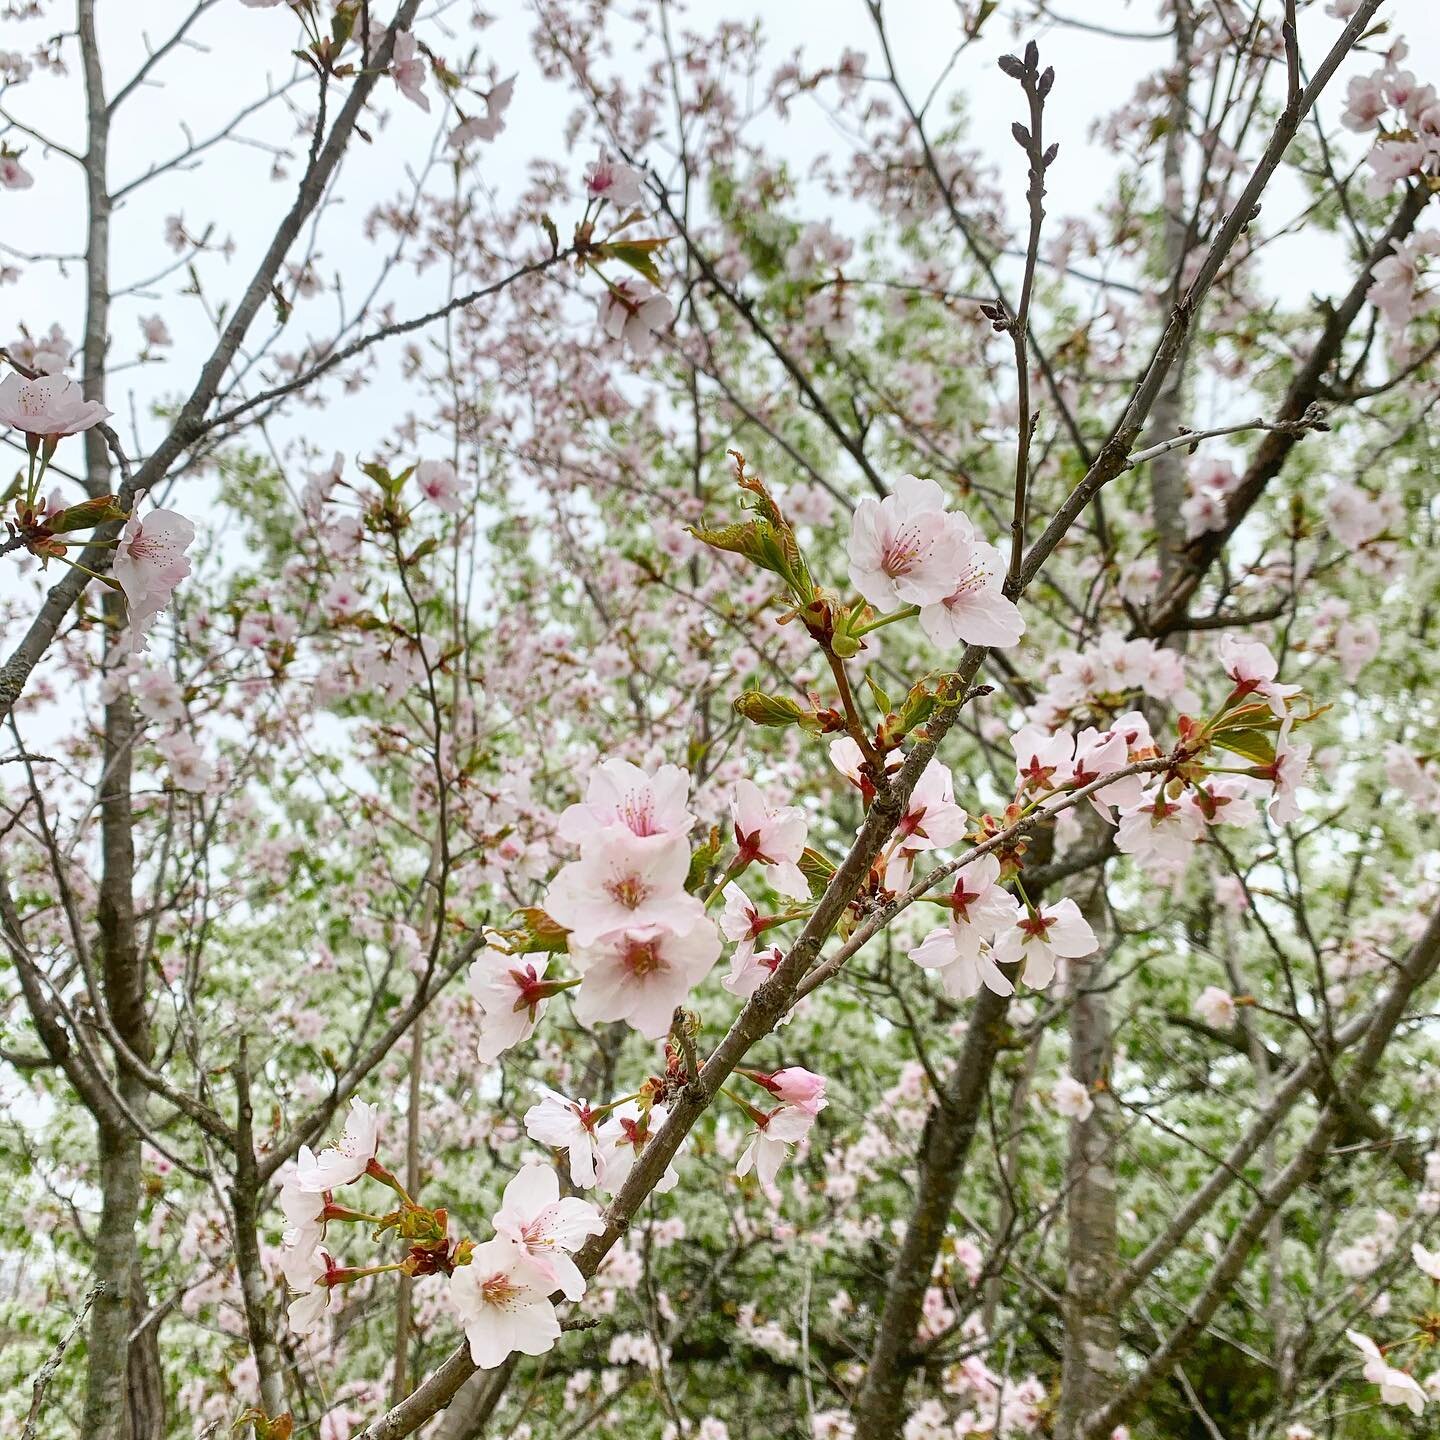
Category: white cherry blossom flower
<point>566,1125</point>
<point>613,180</point>
<point>49,406</point>
<point>1072,1099</point>
<point>621,794</point>
<point>774,838</point>
<point>903,550</point>
<point>641,975</point>
<point>149,563</point>
<point>975,611</point>
<point>1057,931</point>
<point>624,881</point>
<point>549,1229</point>
<point>1216,1007</point>
<point>346,1161</point>
<point>503,1300</point>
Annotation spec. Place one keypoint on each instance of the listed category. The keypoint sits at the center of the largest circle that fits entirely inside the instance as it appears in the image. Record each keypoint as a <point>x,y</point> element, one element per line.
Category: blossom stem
<point>906,614</point>
<point>755,1116</point>
<point>93,574</point>
<point>1029,904</point>
<point>345,1277</point>
<point>600,1111</point>
<point>734,869</point>
<point>853,722</point>
<point>376,1171</point>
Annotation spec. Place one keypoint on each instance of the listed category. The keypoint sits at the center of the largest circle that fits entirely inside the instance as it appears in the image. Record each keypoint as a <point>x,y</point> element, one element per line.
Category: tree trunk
<point>108,1412</point>
<point>1089,1363</point>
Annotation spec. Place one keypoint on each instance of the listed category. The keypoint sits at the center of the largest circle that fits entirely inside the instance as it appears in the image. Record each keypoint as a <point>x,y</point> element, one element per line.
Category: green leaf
<point>84,515</point>
<point>779,710</point>
<point>771,547</point>
<point>542,933</point>
<point>817,871</point>
<point>638,260</point>
<point>703,860</point>
<point>1253,745</point>
<point>877,694</point>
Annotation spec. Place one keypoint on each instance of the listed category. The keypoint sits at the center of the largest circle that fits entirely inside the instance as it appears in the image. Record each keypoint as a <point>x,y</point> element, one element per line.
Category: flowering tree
<point>737,794</point>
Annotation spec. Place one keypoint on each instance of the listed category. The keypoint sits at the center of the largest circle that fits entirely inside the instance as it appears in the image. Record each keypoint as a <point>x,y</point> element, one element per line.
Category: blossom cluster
<point>500,1290</point>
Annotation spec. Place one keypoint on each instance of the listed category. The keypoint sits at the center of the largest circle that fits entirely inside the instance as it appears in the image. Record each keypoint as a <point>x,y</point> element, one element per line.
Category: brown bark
<point>1170,609</point>
<point>944,1147</point>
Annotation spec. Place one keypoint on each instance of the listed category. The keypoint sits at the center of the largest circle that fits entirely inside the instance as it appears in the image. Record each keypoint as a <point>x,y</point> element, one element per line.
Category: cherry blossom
<point>407,70</point>
<point>613,180</point>
<point>1253,668</point>
<point>189,768</point>
<point>795,1086</point>
<point>1216,1007</point>
<point>149,563</point>
<point>1356,644</point>
<point>1211,483</point>
<point>932,819</point>
<point>49,406</point>
<point>307,1273</point>
<point>503,1299</point>
<point>1099,753</point>
<point>640,975</point>
<point>533,1215</point>
<point>960,951</point>
<point>621,794</point>
<point>769,1144</point>
<point>488,126</point>
<point>13,175</point>
<point>624,881</point>
<point>439,484</point>
<point>976,610</point>
<point>1291,763</point>
<point>565,1125</point>
<point>751,968</point>
<point>848,759</point>
<point>345,1161</point>
<point>774,838</point>
<point>510,993</point>
<point>741,922</point>
<point>1039,938</point>
<point>1225,800</point>
<point>634,315</point>
<point>158,697</point>
<point>1428,1261</point>
<point>903,549</point>
<point>1042,761</point>
<point>1159,829</point>
<point>623,1136</point>
<point>1396,1386</point>
<point>1072,1099</point>
<point>1365,101</point>
<point>304,1214</point>
<point>156,331</point>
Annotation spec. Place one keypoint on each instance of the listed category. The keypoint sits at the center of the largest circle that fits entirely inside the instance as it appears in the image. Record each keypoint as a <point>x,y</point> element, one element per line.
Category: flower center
<point>499,1289</point>
<point>903,551</point>
<point>629,891</point>
<point>1035,926</point>
<point>536,1235</point>
<point>637,810</point>
<point>642,957</point>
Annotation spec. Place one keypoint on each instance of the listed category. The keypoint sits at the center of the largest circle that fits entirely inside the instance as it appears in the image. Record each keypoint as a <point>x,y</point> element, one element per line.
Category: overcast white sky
<point>242,50</point>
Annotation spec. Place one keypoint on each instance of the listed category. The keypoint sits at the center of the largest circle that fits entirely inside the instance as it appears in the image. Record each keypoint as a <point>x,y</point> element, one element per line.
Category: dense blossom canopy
<point>737,790</point>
